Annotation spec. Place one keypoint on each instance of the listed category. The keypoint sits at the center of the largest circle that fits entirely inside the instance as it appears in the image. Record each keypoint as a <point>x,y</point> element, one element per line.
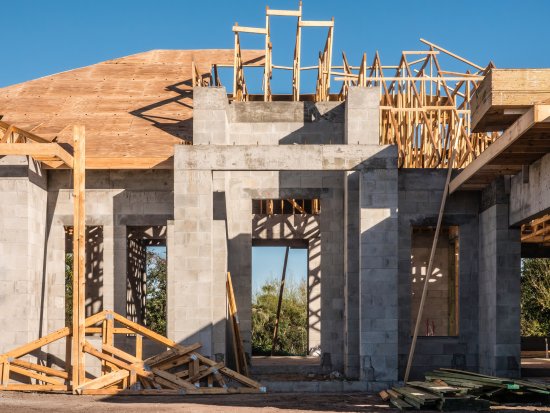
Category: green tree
<point>155,300</point>
<point>292,335</point>
<point>68,289</point>
<point>535,297</point>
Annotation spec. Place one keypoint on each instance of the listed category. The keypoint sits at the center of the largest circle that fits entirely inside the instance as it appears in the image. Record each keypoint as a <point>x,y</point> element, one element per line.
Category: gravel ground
<point>17,402</point>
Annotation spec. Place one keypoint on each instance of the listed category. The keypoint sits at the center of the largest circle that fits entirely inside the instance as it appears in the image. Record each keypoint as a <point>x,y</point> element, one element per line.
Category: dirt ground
<point>13,402</point>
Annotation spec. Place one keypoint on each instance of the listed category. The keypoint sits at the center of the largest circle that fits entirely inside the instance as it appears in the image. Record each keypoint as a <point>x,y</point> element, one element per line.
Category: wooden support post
<point>79,257</point>
<point>240,358</point>
<point>279,303</point>
<point>430,263</point>
<point>139,346</point>
<point>5,378</point>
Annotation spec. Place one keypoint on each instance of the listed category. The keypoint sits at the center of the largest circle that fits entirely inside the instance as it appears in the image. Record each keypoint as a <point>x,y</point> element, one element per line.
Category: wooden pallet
<point>177,370</point>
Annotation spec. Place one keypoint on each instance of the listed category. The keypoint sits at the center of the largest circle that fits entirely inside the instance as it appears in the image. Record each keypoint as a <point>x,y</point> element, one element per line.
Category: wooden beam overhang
<point>508,153</point>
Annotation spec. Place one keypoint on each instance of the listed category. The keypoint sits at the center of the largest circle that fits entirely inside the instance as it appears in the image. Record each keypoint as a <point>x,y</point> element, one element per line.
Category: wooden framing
<point>537,230</point>
<point>17,141</point>
<point>79,257</point>
<point>181,368</point>
<point>240,356</point>
<point>508,153</point>
<point>421,103</point>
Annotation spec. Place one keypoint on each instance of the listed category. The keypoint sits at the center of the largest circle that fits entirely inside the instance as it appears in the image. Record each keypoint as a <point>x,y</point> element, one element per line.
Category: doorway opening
<point>94,272</point>
<point>146,281</point>
<point>280,298</point>
<point>535,299</point>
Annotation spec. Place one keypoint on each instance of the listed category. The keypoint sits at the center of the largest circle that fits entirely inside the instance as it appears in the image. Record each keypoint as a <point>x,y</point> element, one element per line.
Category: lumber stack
<point>177,370</point>
<point>452,390</point>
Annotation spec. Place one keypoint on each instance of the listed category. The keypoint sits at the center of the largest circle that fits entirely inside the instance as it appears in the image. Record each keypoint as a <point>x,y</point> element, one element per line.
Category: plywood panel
<point>504,91</point>
<point>134,108</point>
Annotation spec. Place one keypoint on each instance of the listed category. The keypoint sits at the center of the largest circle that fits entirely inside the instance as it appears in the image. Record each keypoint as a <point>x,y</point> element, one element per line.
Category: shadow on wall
<point>94,266</point>
<point>162,118</point>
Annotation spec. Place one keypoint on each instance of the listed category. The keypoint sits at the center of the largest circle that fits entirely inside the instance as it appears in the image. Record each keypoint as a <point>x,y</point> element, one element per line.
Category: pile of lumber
<point>178,369</point>
<point>451,390</point>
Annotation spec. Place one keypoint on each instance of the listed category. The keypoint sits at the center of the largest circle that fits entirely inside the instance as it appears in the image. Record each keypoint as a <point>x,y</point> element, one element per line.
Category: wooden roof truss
<point>17,141</point>
<point>421,103</point>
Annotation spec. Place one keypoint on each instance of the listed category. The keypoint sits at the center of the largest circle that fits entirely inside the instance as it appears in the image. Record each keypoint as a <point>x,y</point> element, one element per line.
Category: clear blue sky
<point>45,37</point>
<point>267,265</point>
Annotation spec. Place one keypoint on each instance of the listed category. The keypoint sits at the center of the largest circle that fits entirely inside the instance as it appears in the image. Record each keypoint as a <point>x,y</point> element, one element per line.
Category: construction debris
<point>451,390</point>
<point>177,370</point>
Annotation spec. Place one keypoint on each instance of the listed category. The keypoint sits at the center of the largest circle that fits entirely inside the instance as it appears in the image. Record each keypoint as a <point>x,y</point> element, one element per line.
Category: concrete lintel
<point>285,157</point>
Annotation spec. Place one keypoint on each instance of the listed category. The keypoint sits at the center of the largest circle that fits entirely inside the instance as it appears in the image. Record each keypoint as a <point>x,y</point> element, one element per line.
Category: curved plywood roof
<point>135,109</point>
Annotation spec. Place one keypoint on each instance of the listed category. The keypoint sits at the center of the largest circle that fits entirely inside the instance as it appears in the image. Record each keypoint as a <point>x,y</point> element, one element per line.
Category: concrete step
<point>303,370</point>
<point>317,386</point>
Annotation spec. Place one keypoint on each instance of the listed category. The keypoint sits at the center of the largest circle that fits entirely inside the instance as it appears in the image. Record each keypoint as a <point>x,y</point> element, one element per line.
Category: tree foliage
<point>292,335</point>
<point>155,301</point>
<point>68,289</point>
<point>535,297</point>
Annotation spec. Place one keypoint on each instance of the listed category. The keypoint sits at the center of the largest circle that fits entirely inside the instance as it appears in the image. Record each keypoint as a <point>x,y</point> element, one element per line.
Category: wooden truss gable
<point>17,141</point>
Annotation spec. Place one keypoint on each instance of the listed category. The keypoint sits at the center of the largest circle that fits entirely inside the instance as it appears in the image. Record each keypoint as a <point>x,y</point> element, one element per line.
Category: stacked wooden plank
<point>177,370</point>
<point>451,390</point>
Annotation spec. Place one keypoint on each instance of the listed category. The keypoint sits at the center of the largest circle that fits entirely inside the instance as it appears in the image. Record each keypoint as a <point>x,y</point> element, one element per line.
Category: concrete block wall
<point>191,317</point>
<point>420,194</point>
<point>23,220</point>
<point>378,274</point>
<point>363,116</point>
<point>326,281</point>
<point>268,124</point>
<point>499,287</point>
<point>351,274</point>
<point>115,200</point>
<point>286,123</point>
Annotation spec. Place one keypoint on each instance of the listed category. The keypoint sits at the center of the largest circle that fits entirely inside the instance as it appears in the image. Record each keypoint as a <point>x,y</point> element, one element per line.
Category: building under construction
<point>364,171</point>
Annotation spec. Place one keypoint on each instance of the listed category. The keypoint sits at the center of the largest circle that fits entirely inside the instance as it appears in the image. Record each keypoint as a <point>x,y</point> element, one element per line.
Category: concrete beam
<point>530,199</point>
<point>284,157</point>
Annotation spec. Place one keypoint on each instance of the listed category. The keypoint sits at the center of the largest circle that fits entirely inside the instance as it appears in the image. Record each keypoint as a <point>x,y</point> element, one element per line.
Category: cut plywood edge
<point>505,94</point>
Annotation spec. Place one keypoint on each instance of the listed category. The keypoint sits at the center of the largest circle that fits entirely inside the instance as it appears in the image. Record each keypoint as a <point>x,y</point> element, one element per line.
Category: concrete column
<point>362,124</point>
<point>239,250</point>
<point>120,261</point>
<point>191,284</point>
<point>378,275</point>
<point>219,263</point>
<point>499,286</point>
<point>332,265</point>
<point>210,116</point>
<point>351,272</point>
<point>23,205</point>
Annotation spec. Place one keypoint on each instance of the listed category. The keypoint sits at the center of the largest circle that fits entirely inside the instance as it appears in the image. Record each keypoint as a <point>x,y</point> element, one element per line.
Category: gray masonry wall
<point>499,286</point>
<point>33,243</point>
<point>420,194</point>
<point>378,274</point>
<point>23,220</point>
<point>227,174</point>
<point>359,245</point>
